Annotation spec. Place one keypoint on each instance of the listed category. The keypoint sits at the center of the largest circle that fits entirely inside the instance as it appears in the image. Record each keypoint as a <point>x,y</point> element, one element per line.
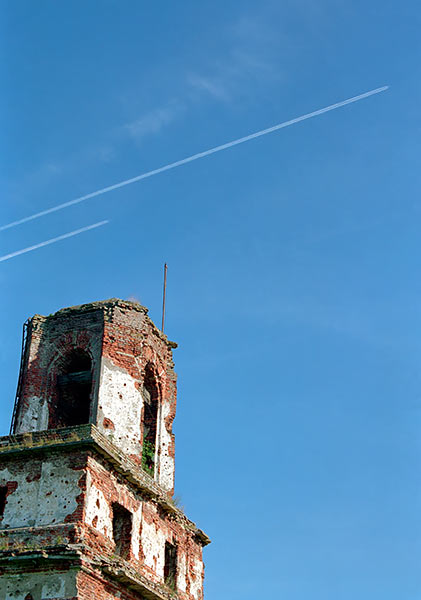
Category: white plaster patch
<point>54,588</point>
<point>39,584</point>
<point>34,416</point>
<point>21,505</point>
<point>166,462</point>
<point>40,502</point>
<point>121,402</point>
<point>153,545</point>
<point>97,507</point>
<point>181,572</point>
<point>196,581</point>
<point>137,518</point>
<point>57,492</point>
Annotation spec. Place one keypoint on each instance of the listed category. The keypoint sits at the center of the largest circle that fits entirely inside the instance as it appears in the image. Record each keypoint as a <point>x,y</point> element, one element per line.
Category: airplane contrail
<point>51,241</point>
<point>189,159</point>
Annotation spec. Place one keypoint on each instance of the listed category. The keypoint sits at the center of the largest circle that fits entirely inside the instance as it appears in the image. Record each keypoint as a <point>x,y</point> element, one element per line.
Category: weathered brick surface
<point>65,487</point>
<point>122,343</point>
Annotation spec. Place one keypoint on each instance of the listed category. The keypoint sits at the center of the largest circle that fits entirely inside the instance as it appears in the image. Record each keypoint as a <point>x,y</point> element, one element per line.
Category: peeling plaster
<point>137,520</point>
<point>181,571</point>
<point>41,585</point>
<point>34,417</point>
<point>166,462</point>
<point>44,500</point>
<point>153,545</point>
<point>54,588</point>
<point>97,509</point>
<point>121,402</point>
<point>196,581</point>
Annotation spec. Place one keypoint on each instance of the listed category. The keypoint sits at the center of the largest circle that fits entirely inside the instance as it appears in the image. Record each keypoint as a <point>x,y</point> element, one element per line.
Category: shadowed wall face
<point>60,370</point>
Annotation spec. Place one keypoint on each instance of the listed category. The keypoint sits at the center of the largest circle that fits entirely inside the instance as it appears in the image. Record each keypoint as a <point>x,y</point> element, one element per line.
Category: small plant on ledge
<point>148,457</point>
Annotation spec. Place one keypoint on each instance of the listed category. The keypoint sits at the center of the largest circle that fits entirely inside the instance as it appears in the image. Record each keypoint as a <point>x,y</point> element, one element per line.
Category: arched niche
<point>74,386</point>
<point>150,393</point>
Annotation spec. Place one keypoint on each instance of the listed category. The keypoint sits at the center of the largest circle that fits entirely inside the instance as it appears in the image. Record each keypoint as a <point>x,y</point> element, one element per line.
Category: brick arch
<point>75,353</point>
<point>56,353</point>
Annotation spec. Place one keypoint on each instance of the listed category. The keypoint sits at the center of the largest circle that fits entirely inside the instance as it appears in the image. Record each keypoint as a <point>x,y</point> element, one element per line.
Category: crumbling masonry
<point>87,474</point>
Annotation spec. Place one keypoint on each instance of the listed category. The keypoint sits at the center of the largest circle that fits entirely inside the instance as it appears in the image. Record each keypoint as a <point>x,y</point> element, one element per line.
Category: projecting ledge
<point>89,437</point>
<point>122,572</point>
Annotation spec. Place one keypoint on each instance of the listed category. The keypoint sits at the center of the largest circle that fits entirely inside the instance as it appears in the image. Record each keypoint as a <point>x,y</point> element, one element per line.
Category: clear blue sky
<point>294,260</point>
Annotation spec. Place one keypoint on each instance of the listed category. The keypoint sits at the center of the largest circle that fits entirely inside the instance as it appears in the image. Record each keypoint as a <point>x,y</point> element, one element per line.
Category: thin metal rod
<point>164,296</point>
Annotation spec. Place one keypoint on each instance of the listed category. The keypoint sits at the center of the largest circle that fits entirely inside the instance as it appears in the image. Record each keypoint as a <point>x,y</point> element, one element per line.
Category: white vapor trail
<point>189,159</point>
<point>52,241</point>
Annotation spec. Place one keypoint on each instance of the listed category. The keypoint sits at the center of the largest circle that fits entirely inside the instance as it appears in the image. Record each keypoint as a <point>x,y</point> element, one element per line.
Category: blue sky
<point>293,283</point>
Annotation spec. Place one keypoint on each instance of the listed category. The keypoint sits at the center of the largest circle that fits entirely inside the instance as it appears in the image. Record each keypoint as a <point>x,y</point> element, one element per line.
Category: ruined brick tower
<point>87,474</point>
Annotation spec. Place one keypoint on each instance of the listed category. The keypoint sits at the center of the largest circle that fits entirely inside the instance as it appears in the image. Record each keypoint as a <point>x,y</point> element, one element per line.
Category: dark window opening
<point>170,565</point>
<point>3,496</point>
<point>150,417</point>
<point>74,385</point>
<point>122,530</point>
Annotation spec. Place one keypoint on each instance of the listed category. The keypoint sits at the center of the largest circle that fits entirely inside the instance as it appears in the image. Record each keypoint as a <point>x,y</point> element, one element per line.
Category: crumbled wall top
<point>107,306</point>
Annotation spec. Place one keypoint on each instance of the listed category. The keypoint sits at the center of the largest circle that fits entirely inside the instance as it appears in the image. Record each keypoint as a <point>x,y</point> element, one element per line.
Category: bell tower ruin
<point>87,473</point>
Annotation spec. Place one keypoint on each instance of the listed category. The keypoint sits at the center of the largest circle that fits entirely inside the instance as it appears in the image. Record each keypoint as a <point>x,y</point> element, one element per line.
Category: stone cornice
<point>21,557</point>
<point>89,437</point>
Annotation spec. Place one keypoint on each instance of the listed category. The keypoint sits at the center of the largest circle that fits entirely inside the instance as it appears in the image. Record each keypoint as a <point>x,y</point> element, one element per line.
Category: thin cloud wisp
<point>194,157</point>
<point>52,241</point>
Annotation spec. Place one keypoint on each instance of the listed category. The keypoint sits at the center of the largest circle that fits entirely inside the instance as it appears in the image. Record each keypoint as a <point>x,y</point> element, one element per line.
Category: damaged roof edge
<point>102,305</point>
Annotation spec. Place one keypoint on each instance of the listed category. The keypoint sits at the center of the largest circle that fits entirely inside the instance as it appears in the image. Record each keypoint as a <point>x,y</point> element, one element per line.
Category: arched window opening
<point>149,424</point>
<point>74,385</point>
